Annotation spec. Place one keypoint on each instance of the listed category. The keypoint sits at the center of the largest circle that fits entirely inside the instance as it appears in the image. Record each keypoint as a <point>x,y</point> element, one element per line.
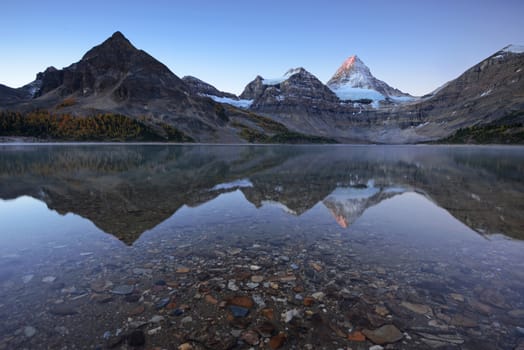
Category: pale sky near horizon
<point>415,46</point>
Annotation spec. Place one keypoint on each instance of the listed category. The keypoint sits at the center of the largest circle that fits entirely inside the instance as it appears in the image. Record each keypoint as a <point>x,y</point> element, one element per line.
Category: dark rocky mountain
<point>490,92</point>
<point>298,99</point>
<point>296,86</point>
<point>116,77</point>
<point>200,87</point>
<point>9,95</point>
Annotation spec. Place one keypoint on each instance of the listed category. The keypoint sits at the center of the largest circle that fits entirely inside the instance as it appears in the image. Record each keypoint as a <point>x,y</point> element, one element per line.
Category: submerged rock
<point>384,335</point>
<point>63,310</point>
<point>123,289</point>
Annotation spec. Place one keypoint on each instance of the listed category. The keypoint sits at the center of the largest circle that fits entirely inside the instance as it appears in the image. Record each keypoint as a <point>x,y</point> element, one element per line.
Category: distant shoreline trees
<point>45,125</point>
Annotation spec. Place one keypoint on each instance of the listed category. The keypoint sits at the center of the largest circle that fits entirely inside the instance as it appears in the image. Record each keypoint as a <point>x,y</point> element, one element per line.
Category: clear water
<point>377,229</point>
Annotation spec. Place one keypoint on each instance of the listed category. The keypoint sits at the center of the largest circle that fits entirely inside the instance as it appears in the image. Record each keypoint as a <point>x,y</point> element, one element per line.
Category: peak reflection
<point>126,190</point>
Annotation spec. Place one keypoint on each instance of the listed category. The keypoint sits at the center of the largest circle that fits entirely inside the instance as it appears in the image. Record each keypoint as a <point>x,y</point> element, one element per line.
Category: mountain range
<point>484,104</point>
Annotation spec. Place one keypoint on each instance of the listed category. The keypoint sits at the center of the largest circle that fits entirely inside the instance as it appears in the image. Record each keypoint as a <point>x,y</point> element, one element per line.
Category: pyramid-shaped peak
<point>118,39</point>
<point>350,62</point>
<point>118,36</point>
<point>117,45</point>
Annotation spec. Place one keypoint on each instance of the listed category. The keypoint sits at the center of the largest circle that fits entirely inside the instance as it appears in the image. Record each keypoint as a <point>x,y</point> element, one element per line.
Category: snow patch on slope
<point>346,92</point>
<point>231,101</point>
<point>286,76</point>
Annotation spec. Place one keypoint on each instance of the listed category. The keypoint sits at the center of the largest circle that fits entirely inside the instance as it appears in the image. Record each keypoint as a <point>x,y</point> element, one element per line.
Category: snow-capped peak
<point>354,73</point>
<point>514,49</point>
<point>286,76</point>
<point>353,81</point>
<point>293,71</point>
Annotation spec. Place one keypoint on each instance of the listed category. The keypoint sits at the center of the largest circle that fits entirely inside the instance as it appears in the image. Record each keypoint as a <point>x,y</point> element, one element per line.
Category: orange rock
<point>185,346</point>
<point>277,341</point>
<point>137,311</point>
<point>242,301</point>
<point>308,301</point>
<point>182,270</point>
<point>298,289</point>
<point>316,266</point>
<point>357,336</point>
<point>210,299</point>
<point>171,305</point>
<point>267,313</point>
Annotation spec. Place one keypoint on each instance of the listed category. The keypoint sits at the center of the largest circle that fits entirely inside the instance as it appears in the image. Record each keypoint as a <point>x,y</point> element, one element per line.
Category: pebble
<point>250,337</point>
<point>137,311</point>
<point>154,331</point>
<point>417,308</point>
<point>308,301</point>
<point>357,336</point>
<point>29,331</point>
<point>243,301</point>
<point>257,279</point>
<point>186,320</point>
<point>318,296</point>
<point>210,299</point>
<point>238,311</point>
<point>27,278</point>
<point>63,310</point>
<point>381,310</point>
<point>376,347</point>
<point>289,315</point>
<point>457,297</point>
<point>49,279</point>
<point>236,332</point>
<point>294,266</point>
<point>232,286</point>
<point>156,319</point>
<point>141,271</point>
<point>123,289</point>
<point>252,285</point>
<point>185,346</point>
<point>162,303</point>
<point>100,286</point>
<point>267,313</point>
<point>277,341</point>
<point>255,267</point>
<point>383,335</point>
<point>177,312</point>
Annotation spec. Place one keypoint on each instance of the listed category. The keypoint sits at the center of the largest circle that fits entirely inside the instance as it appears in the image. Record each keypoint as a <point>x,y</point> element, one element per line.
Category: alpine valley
<point>117,92</point>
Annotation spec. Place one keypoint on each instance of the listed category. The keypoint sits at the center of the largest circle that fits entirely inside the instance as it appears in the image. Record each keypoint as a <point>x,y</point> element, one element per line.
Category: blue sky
<point>415,46</point>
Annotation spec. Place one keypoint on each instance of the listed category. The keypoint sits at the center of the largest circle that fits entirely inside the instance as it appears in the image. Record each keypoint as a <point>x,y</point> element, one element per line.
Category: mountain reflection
<point>126,190</point>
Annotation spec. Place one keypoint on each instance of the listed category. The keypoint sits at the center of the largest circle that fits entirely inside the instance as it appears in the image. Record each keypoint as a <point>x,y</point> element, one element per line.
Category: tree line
<point>99,127</point>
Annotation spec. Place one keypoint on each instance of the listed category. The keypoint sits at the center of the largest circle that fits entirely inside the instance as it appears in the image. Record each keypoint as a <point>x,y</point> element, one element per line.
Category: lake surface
<point>240,247</point>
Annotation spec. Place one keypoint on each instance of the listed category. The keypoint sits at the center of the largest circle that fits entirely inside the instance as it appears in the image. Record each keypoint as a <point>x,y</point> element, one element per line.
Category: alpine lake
<point>261,247</point>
